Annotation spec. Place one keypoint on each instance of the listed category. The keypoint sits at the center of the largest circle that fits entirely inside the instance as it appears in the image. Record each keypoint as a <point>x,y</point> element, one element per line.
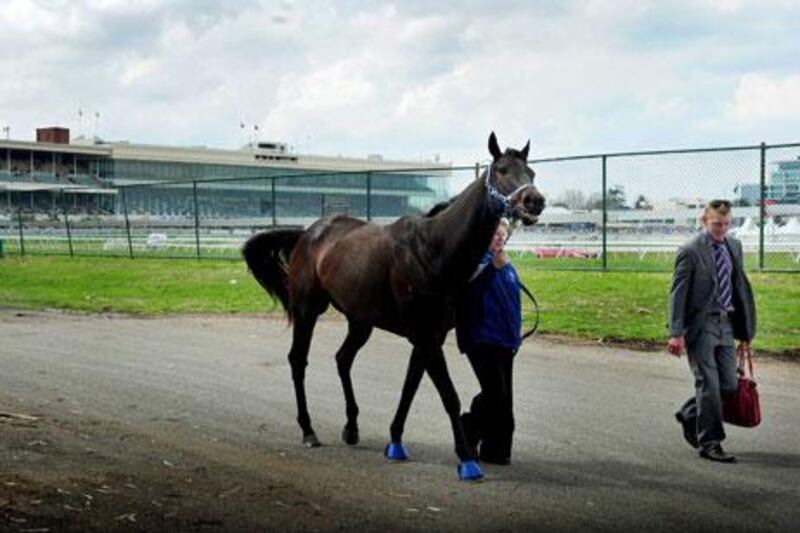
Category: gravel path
<point>188,423</point>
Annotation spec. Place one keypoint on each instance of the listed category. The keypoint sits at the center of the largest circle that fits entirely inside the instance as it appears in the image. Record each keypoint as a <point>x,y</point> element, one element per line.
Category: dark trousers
<point>712,358</point>
<point>490,420</point>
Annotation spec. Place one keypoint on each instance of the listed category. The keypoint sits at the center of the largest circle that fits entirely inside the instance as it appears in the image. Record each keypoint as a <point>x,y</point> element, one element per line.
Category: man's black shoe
<point>689,433</point>
<point>716,453</point>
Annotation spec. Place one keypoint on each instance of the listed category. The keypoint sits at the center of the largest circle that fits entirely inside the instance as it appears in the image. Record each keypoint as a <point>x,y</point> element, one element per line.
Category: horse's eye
<point>502,170</point>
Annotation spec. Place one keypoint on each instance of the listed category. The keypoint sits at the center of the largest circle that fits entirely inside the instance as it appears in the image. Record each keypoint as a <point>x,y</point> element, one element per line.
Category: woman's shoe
<point>494,459</point>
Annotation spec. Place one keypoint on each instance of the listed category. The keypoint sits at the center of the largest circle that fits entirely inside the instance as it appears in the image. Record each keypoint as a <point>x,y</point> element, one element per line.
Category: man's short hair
<point>723,207</point>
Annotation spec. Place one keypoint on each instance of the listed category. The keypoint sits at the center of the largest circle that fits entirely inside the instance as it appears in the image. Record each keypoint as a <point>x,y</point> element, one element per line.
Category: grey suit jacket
<point>695,289</point>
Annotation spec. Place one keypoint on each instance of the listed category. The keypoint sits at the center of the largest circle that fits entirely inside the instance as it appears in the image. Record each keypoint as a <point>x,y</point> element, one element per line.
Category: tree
<point>615,198</point>
<point>643,203</point>
<point>571,199</point>
<point>594,201</point>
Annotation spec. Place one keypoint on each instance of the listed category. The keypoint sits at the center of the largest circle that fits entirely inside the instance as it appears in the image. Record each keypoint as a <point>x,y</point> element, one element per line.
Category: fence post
<point>763,208</point>
<point>66,223</point>
<point>127,223</point>
<point>21,234</point>
<point>369,195</point>
<point>196,220</point>
<point>477,170</point>
<point>274,205</point>
<point>605,217</point>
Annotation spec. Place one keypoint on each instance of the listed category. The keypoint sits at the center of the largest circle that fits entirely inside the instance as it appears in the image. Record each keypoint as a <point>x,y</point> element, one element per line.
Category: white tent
<point>770,227</point>
<point>747,228</point>
<point>792,227</point>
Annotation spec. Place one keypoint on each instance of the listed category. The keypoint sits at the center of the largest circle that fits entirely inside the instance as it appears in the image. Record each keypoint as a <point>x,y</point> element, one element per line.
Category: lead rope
<point>530,295</point>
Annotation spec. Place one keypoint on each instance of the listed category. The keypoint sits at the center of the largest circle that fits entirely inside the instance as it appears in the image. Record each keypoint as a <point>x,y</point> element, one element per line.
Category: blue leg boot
<point>395,451</point>
<point>469,471</point>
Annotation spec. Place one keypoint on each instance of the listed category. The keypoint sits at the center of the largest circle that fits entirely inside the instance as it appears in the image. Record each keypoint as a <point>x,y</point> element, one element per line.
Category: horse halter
<point>497,196</point>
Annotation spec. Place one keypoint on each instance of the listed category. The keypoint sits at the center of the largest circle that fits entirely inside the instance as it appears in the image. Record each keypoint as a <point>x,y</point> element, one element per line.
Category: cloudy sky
<point>409,79</point>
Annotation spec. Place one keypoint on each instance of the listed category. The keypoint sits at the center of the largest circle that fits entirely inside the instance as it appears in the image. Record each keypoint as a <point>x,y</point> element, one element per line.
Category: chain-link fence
<point>212,218</point>
<point>631,211</point>
<point>622,211</point>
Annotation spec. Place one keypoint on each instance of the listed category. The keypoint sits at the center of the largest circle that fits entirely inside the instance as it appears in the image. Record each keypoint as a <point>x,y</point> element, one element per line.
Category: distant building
<point>749,193</point>
<point>782,186</point>
<point>784,183</point>
<point>86,174</point>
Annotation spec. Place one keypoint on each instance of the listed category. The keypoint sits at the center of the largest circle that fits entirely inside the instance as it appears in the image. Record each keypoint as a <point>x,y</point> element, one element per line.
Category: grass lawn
<point>632,306</point>
<point>613,306</point>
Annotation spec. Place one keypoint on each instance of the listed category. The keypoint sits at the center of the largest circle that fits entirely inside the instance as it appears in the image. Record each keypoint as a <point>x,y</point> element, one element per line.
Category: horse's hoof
<point>469,471</point>
<point>350,436</point>
<point>395,451</point>
<point>311,441</point>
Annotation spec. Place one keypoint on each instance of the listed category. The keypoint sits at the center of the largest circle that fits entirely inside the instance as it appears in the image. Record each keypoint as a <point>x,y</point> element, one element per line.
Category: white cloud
<point>407,79</point>
<point>137,70</point>
<point>761,97</point>
<point>724,6</point>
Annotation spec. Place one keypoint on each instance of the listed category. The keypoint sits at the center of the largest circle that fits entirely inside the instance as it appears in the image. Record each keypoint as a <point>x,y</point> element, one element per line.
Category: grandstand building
<point>258,180</point>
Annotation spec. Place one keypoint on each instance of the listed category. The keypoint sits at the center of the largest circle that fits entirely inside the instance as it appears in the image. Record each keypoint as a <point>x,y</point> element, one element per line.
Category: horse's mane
<point>441,206</point>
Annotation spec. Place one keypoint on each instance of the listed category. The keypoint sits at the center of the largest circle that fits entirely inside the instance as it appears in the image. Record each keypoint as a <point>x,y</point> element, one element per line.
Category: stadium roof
<point>29,186</point>
<point>261,154</point>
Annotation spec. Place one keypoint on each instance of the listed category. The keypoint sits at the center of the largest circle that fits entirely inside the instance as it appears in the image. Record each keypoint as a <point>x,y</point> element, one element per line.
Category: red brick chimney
<point>53,134</point>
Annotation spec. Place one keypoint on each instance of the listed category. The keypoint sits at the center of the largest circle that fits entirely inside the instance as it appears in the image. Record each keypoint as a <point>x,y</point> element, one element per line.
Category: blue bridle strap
<point>496,197</point>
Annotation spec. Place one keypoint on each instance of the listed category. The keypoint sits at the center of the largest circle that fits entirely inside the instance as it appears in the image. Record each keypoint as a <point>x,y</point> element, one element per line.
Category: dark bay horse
<point>402,277</point>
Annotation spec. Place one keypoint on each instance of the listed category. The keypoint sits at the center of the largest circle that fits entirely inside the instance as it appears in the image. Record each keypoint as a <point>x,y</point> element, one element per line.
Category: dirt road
<point>187,423</point>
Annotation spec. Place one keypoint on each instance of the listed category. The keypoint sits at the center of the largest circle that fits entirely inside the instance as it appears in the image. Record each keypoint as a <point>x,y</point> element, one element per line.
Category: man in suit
<point>711,303</point>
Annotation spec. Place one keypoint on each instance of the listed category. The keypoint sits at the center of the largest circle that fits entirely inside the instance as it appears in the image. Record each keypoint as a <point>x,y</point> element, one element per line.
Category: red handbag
<point>743,408</point>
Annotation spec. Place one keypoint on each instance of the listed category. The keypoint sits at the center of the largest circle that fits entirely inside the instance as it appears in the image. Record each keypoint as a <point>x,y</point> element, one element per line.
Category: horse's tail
<point>267,255</point>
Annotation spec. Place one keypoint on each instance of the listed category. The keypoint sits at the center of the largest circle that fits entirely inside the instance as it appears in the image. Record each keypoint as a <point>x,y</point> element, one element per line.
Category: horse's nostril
<point>531,201</point>
<point>534,203</point>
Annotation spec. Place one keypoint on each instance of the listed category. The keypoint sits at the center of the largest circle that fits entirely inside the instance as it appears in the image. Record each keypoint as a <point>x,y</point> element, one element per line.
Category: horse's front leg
<point>468,468</point>
<point>357,335</point>
<point>395,450</point>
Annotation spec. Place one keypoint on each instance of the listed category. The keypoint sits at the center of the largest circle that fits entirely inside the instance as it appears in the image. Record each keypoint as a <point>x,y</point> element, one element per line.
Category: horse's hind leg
<point>357,335</point>
<point>298,359</point>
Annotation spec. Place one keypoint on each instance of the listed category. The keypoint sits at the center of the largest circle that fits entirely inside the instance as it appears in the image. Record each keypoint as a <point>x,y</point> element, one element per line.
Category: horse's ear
<point>493,148</point>
<point>524,151</point>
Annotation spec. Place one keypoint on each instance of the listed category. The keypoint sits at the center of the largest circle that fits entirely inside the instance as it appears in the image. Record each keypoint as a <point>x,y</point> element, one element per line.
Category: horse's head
<point>509,181</point>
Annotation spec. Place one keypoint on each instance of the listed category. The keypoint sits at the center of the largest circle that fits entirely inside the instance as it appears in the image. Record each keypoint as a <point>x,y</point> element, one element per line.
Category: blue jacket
<point>491,313</point>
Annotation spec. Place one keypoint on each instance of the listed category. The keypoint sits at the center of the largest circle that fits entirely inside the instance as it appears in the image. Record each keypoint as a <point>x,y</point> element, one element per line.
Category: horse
<point>403,277</point>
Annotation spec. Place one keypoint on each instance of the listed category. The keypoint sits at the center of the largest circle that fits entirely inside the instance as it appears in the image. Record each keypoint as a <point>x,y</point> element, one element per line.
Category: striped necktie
<point>723,262</point>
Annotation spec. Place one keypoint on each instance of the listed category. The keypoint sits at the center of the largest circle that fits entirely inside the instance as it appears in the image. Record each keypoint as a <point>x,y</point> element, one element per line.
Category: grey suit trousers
<point>712,358</point>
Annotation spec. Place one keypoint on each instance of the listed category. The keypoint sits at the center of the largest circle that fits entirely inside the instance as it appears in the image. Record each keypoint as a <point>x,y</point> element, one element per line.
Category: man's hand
<point>743,346</point>
<point>676,345</point>
<point>500,259</point>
